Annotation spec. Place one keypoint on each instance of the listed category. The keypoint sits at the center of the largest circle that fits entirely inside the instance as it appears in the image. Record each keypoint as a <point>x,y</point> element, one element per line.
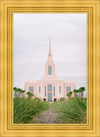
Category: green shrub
<point>62,99</point>
<point>26,108</point>
<point>72,110</point>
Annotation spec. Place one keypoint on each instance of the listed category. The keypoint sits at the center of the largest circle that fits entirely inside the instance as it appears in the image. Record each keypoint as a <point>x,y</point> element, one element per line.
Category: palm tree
<point>15,90</point>
<point>81,89</point>
<point>75,91</point>
<point>22,91</point>
<point>19,90</point>
<point>69,94</point>
<point>30,94</point>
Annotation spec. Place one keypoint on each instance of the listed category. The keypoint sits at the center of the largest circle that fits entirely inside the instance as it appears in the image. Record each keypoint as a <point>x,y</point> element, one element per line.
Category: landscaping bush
<point>72,110</point>
<point>26,108</point>
<point>62,99</point>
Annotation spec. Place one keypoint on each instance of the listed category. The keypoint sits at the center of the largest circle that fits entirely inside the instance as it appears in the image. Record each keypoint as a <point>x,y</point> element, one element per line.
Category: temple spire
<point>49,43</point>
<point>49,54</point>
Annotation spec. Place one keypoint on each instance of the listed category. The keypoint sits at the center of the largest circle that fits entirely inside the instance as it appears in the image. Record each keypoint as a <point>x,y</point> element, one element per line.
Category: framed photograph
<point>50,71</point>
<point>60,59</point>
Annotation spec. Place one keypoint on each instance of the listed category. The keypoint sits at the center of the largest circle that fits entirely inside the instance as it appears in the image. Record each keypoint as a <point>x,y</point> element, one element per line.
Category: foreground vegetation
<point>72,110</point>
<point>26,108</point>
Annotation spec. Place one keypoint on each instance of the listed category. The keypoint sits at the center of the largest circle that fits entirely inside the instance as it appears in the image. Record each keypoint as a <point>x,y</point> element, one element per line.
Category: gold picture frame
<point>92,9</point>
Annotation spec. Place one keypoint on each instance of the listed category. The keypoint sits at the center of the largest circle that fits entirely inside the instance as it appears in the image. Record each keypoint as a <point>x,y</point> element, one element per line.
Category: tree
<point>69,94</point>
<point>75,91</point>
<point>15,90</point>
<point>18,90</point>
<point>81,89</point>
<point>30,94</point>
<point>22,91</point>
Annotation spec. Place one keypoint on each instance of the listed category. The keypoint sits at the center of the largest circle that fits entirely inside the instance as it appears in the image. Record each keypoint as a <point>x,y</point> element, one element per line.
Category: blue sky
<point>31,44</point>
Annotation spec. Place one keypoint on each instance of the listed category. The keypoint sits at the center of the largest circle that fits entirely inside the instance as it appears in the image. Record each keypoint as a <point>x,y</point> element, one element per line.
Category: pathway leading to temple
<point>47,117</point>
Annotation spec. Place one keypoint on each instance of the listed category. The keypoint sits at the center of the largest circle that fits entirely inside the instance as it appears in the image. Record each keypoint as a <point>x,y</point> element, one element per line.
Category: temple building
<point>49,88</point>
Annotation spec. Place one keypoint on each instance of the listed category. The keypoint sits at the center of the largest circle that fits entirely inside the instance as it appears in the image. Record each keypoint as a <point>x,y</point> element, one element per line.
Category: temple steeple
<point>50,66</point>
<point>49,53</point>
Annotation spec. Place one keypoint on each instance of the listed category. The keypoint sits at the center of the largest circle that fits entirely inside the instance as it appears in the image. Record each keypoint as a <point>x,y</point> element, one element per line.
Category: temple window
<point>49,87</point>
<point>68,88</point>
<point>59,89</point>
<point>49,70</point>
<point>45,91</point>
<point>54,91</point>
<point>31,88</point>
<point>39,89</point>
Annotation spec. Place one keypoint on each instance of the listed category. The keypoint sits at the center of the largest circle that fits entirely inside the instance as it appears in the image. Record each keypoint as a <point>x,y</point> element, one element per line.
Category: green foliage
<point>25,109</point>
<point>30,94</point>
<point>69,94</point>
<point>81,89</point>
<point>62,99</point>
<point>15,89</point>
<point>72,111</point>
<point>75,92</point>
<point>19,90</point>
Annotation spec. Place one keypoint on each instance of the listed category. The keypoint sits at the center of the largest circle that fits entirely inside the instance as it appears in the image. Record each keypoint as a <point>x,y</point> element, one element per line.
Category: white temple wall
<point>44,83</point>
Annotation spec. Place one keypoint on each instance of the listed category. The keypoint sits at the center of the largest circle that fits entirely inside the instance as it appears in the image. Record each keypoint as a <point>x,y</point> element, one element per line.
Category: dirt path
<point>47,117</point>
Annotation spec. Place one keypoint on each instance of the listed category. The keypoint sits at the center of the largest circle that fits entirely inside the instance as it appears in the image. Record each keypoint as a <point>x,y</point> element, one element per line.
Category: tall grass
<point>72,110</point>
<point>26,108</point>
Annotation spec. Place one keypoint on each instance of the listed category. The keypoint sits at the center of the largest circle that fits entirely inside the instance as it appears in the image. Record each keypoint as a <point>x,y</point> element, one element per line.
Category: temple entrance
<point>44,99</point>
<point>49,93</point>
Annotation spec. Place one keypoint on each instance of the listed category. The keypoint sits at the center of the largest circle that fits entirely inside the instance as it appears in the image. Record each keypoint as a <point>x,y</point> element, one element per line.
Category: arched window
<point>54,91</point>
<point>49,87</point>
<point>68,88</point>
<point>39,89</point>
<point>45,91</point>
<point>59,89</point>
<point>49,70</point>
<point>31,88</point>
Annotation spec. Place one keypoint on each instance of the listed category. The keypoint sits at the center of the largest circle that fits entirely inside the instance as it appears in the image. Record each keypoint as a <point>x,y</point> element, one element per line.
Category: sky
<point>68,45</point>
